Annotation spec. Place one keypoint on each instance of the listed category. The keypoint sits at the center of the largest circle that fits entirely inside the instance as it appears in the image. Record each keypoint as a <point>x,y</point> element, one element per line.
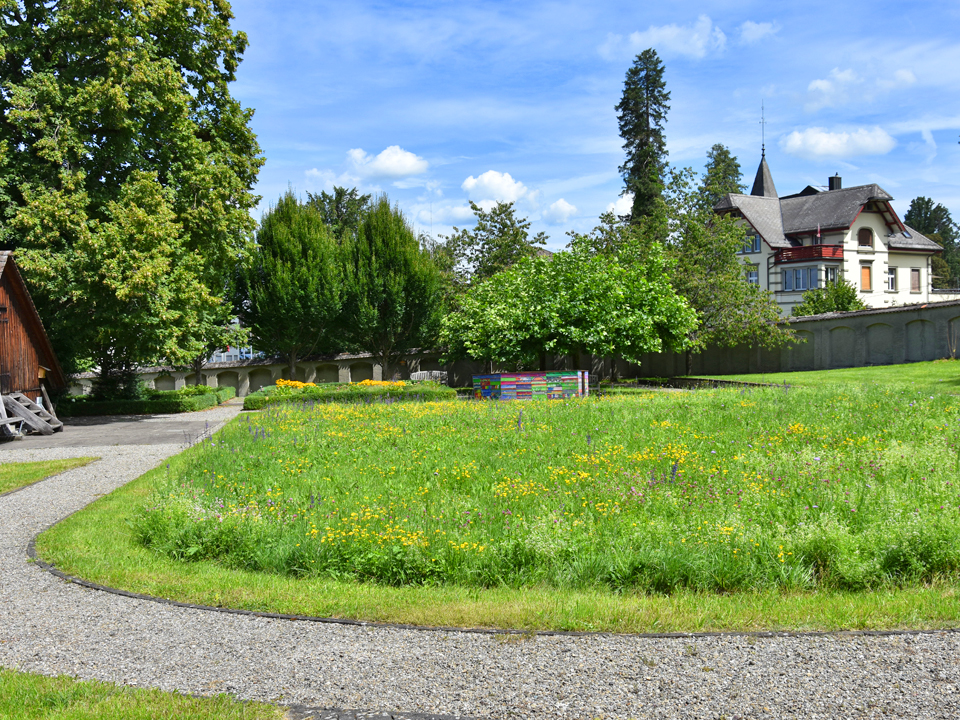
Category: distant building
<point>799,242</point>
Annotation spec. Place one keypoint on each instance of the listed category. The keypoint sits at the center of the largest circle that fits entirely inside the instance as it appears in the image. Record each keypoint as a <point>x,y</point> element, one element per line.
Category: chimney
<point>835,183</point>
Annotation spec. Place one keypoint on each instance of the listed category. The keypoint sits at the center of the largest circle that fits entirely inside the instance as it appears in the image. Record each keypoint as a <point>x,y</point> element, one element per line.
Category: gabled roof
<point>912,240</point>
<point>763,213</point>
<point>48,358</point>
<point>827,209</point>
<point>813,209</point>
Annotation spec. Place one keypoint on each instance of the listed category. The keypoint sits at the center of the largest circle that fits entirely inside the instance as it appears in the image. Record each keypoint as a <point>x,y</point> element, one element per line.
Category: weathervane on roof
<point>763,136</point>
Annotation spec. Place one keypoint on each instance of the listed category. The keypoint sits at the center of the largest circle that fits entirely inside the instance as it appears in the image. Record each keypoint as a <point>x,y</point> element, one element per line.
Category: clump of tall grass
<point>716,490</point>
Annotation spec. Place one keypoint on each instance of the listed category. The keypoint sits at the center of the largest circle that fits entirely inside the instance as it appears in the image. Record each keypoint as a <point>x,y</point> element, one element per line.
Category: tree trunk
<point>688,361</point>
<point>543,362</point>
<point>197,368</point>
<point>292,362</point>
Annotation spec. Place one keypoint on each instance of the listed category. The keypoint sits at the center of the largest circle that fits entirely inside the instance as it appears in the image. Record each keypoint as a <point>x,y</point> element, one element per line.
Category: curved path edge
<point>32,555</point>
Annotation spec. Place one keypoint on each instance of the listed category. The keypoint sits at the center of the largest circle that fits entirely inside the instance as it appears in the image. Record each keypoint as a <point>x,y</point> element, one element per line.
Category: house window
<point>753,274</point>
<point>866,278</point>
<point>800,276</point>
<point>788,280</point>
<point>891,278</point>
<point>814,278</point>
<point>752,244</point>
<point>914,279</point>
<point>865,237</point>
<point>830,274</point>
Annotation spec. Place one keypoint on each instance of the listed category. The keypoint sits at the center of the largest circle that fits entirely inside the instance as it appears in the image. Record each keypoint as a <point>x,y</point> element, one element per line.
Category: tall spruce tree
<point>641,113</point>
<point>723,176</point>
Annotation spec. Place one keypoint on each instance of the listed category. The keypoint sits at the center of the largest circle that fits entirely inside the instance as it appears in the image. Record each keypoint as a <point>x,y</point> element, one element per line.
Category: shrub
<point>363,392</point>
<point>157,402</point>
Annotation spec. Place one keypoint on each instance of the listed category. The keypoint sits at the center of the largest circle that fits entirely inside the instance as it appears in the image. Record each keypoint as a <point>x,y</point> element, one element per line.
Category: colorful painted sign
<point>529,385</point>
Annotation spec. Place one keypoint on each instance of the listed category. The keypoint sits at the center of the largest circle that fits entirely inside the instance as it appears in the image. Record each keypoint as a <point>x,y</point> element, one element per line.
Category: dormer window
<point>865,237</point>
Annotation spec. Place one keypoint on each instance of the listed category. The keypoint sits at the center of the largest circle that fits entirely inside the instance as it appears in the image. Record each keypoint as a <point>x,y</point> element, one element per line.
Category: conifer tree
<point>641,113</point>
<point>723,176</point>
<point>394,290</point>
<point>291,290</point>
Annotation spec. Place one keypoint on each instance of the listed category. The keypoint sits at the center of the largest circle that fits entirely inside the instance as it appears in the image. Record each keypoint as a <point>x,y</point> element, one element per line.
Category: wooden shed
<point>26,355</point>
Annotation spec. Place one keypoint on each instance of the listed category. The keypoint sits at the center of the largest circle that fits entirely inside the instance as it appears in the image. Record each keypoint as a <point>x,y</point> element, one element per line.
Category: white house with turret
<point>799,242</point>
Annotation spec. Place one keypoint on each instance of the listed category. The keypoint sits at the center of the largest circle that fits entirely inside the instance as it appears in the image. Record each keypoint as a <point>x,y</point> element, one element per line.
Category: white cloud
<point>751,32</point>
<point>623,205</point>
<point>817,142</point>
<point>841,87</point>
<point>900,79</point>
<point>494,186</point>
<point>559,212</point>
<point>394,162</point>
<point>444,214</point>
<point>327,179</point>
<point>691,40</point>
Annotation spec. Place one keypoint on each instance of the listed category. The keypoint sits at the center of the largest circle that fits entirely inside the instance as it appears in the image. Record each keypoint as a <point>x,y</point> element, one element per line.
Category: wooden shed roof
<point>9,270</point>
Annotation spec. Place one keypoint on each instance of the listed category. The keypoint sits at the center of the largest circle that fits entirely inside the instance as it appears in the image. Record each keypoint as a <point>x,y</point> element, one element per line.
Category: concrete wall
<point>882,336</point>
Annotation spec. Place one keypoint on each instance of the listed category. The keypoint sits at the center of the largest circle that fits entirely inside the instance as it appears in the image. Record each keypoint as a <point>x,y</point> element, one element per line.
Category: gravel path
<point>53,627</point>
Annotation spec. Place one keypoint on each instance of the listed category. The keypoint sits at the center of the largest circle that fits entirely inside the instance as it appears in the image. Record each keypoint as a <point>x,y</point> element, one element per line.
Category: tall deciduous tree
<point>642,112</point>
<point>723,176</point>
<point>712,277</point>
<point>342,210</point>
<point>498,240</point>
<point>99,100</point>
<point>394,292</point>
<point>574,302</point>
<point>292,290</point>
<point>934,221</point>
<point>128,281</point>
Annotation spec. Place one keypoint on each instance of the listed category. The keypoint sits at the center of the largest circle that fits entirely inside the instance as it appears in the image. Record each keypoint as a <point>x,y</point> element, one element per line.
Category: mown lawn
<point>17,475</point>
<point>937,376</point>
<point>802,508</point>
<point>27,696</point>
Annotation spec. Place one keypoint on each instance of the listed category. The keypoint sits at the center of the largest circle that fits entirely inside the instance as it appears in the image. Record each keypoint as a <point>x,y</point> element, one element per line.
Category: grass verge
<point>27,696</point>
<point>98,545</point>
<point>934,376</point>
<point>18,475</point>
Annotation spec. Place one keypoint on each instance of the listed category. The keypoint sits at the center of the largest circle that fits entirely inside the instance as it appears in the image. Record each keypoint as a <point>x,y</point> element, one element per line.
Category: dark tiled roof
<point>761,212</point>
<point>763,182</point>
<point>916,241</point>
<point>832,209</point>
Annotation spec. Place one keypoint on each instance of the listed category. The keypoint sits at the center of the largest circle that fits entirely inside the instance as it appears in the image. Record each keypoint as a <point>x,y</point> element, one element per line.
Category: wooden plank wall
<point>19,359</point>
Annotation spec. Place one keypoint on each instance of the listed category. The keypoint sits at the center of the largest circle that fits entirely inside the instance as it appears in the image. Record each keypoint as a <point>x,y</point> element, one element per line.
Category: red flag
<point>818,232</point>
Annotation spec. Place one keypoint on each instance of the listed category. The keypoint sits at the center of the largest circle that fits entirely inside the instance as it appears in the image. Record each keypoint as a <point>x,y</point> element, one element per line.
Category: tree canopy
<point>934,221</point>
<point>573,302</point>
<point>104,105</point>
<point>342,210</point>
<point>641,113</point>
<point>722,176</point>
<point>292,287</point>
<point>711,275</point>
<point>840,296</point>
<point>499,240</point>
<point>394,290</point>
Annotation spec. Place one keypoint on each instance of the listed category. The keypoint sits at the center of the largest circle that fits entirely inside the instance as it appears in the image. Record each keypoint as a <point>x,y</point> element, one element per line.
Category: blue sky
<point>437,103</point>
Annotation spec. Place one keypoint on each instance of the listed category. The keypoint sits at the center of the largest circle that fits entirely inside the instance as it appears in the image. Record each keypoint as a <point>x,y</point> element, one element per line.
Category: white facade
<point>801,242</point>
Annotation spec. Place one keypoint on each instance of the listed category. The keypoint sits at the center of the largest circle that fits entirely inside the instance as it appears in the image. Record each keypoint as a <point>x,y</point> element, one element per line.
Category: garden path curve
<point>50,626</point>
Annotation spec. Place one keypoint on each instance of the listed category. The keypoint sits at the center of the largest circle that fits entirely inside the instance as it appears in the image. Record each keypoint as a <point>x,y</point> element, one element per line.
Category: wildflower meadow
<point>723,490</point>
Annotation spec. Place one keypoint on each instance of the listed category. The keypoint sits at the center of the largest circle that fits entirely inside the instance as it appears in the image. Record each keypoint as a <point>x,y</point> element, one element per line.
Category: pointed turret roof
<point>763,183</point>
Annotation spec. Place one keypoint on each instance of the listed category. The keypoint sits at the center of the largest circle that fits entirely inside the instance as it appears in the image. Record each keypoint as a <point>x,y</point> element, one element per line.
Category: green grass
<point>772,509</point>
<point>939,376</point>
<point>26,696</point>
<point>17,475</point>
